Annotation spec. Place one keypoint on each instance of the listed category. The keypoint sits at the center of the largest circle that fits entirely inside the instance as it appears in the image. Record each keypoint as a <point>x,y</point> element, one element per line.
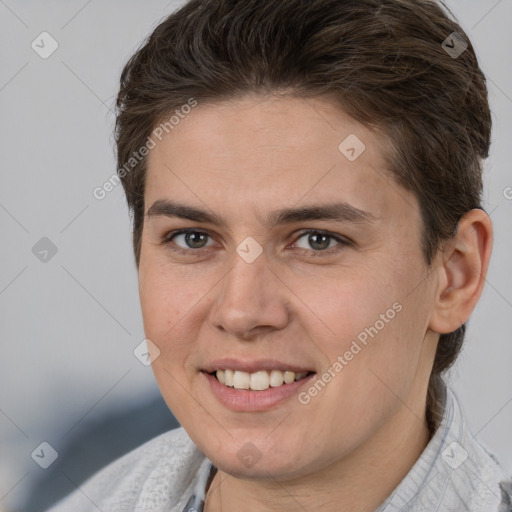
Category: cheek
<point>169,313</point>
<point>346,304</point>
<point>166,291</point>
<point>160,307</point>
<point>370,320</point>
<point>168,303</point>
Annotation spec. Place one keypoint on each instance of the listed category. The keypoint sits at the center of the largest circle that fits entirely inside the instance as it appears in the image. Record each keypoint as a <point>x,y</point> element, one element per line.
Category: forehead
<point>256,153</point>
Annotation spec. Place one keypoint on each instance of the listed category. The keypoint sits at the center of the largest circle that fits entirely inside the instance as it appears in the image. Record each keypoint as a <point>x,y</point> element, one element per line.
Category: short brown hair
<point>382,61</point>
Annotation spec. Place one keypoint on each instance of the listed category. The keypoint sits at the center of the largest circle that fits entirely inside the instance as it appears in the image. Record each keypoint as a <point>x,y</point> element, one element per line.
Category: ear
<point>462,272</point>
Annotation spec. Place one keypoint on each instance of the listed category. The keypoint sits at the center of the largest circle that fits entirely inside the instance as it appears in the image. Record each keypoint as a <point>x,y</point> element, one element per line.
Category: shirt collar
<point>454,472</point>
<point>205,475</point>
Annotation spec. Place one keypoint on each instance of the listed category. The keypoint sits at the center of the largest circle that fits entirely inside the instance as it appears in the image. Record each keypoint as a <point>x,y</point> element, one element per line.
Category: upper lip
<point>253,365</point>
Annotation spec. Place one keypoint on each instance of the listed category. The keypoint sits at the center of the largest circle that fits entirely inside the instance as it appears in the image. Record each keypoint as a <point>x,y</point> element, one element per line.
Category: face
<point>267,249</point>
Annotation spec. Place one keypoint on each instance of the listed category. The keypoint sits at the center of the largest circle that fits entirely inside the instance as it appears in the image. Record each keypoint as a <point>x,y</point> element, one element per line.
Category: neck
<point>360,482</point>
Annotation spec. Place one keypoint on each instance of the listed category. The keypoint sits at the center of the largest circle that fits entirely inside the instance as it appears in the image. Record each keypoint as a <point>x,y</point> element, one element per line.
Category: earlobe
<point>462,268</point>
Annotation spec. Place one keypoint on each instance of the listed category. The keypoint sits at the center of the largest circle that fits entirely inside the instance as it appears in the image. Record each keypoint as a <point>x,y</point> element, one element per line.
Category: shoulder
<point>506,495</point>
<point>155,476</point>
<point>476,471</point>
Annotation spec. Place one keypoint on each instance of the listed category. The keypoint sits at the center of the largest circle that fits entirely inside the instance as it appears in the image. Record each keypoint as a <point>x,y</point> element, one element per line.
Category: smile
<point>259,380</point>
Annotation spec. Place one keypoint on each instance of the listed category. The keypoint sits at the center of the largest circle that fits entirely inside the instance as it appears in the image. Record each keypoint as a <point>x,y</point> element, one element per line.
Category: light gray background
<point>69,326</point>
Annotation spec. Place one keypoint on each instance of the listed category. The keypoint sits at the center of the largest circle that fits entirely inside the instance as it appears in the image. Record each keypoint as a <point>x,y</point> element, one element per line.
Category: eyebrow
<point>340,211</point>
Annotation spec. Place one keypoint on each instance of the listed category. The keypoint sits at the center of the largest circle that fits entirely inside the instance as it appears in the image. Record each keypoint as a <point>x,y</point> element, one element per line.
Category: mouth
<point>260,380</point>
<point>255,385</point>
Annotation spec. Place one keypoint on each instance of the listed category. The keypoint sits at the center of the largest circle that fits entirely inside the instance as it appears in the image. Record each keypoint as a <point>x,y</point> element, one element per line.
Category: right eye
<point>192,240</point>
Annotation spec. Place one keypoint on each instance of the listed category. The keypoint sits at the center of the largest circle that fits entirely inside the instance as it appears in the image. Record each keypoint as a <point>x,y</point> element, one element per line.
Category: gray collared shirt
<point>453,474</point>
<point>170,474</point>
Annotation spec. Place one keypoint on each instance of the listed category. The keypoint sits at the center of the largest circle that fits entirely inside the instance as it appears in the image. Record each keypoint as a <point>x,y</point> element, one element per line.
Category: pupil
<point>314,241</point>
<point>193,238</point>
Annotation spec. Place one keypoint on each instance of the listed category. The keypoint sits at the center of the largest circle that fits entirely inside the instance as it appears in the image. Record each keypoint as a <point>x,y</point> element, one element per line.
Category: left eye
<point>320,241</point>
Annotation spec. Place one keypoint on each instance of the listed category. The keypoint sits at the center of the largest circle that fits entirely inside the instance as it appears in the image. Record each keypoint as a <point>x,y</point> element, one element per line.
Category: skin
<point>242,159</point>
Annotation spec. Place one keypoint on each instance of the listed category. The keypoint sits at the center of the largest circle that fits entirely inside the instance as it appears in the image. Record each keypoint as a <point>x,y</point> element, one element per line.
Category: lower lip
<point>253,401</point>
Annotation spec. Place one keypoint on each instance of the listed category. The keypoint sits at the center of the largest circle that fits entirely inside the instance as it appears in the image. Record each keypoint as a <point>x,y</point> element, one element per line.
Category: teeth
<point>289,377</point>
<point>276,378</point>
<point>258,381</point>
<point>228,377</point>
<point>241,380</point>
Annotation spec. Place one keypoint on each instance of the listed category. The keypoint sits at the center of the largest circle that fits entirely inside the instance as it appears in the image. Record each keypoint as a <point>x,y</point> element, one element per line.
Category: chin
<point>251,462</point>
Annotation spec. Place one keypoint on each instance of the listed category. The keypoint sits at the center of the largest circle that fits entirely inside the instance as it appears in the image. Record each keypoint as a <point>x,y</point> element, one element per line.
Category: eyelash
<point>325,252</point>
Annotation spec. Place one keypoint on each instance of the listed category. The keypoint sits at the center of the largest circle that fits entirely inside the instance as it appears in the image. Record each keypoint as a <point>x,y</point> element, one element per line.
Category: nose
<point>251,301</point>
